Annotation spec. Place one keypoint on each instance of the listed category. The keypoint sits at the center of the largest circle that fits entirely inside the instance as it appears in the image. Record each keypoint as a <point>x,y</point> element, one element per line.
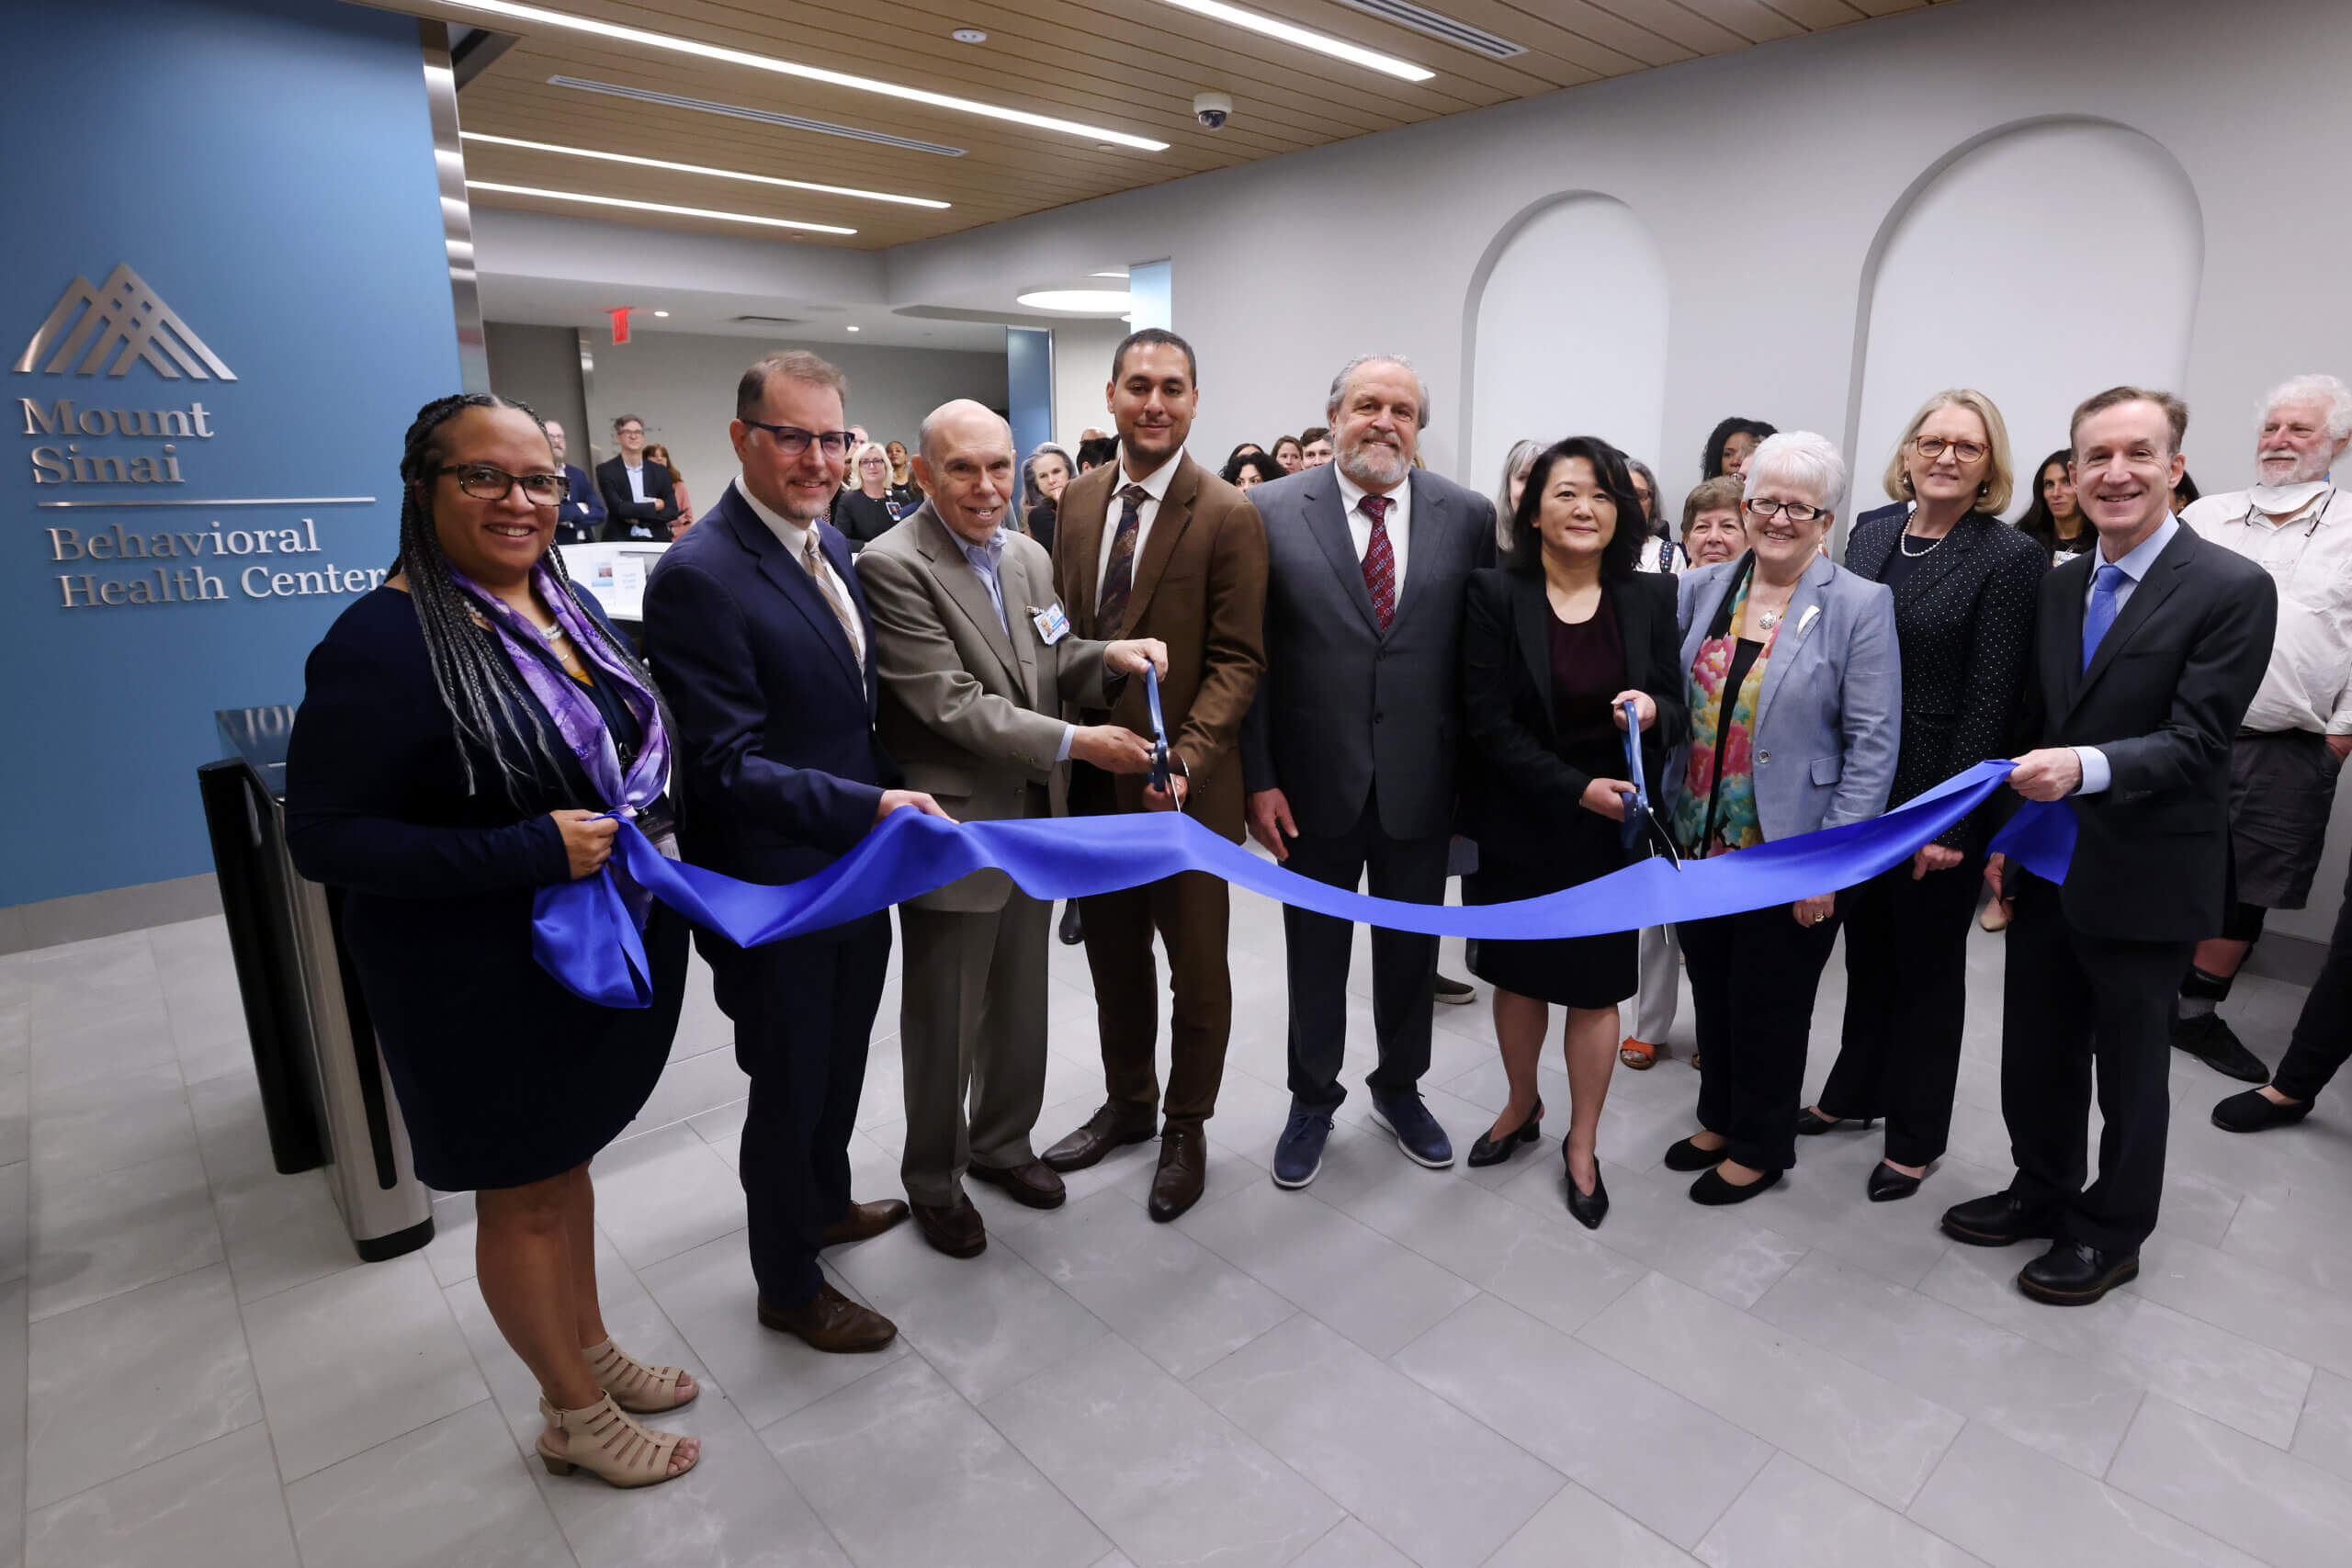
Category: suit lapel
<point>1326,519</point>
<point>1869,559</point>
<point>1023,593</point>
<point>1168,526</point>
<point>1796,630</point>
<point>1945,559</point>
<point>1531,620</point>
<point>791,581</point>
<point>1077,538</point>
<point>2063,630</point>
<point>945,553</point>
<point>1421,536</point>
<point>2162,579</point>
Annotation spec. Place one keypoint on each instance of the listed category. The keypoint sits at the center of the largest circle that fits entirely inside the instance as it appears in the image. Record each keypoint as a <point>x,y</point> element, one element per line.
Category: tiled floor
<point>1394,1367</point>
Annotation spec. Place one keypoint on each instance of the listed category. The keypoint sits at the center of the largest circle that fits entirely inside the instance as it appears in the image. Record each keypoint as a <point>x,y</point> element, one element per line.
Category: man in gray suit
<point>976,661</point>
<point>1348,751</point>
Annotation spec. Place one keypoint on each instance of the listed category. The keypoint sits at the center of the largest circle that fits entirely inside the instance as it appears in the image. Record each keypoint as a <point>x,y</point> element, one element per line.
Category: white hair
<point>2325,389</point>
<point>1800,457</point>
<point>1340,385</point>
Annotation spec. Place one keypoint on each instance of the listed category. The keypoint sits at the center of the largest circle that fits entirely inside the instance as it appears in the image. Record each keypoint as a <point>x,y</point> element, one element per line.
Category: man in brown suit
<point>1155,546</point>
<point>976,660</point>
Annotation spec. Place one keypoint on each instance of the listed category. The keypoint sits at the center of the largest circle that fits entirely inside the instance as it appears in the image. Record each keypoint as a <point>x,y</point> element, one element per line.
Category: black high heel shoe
<point>1490,1150</point>
<point>1812,1124</point>
<point>1887,1184</point>
<point>1590,1208</point>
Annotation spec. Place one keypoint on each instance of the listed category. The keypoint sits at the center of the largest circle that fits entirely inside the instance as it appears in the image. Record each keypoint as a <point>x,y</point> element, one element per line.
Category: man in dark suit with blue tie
<point>760,641</point>
<point>2147,653</point>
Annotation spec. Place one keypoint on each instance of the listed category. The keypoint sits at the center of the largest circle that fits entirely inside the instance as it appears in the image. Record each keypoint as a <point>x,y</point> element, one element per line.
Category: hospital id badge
<point>1051,624</point>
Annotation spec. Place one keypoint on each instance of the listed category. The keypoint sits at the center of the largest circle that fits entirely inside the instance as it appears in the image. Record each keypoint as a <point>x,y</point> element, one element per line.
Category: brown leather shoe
<point>1109,1128</point>
<point>1033,1183</point>
<point>865,1222</point>
<point>954,1228</point>
<point>1183,1168</point>
<point>830,1322</point>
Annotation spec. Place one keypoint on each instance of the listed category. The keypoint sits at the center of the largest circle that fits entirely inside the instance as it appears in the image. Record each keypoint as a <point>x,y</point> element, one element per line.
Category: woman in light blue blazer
<point>1796,692</point>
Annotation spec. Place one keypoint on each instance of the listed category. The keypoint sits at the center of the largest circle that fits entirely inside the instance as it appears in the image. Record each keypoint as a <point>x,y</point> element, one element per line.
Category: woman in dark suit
<point>466,729</point>
<point>1965,585</point>
<point>1553,645</point>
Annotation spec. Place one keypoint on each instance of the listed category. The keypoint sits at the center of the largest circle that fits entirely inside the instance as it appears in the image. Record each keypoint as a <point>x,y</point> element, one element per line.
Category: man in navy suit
<point>579,515</point>
<point>760,641</point>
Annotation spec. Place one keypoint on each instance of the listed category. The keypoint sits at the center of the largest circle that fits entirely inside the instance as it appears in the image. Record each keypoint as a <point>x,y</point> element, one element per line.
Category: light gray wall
<point>540,366</point>
<point>682,386</point>
<point>1082,353</point>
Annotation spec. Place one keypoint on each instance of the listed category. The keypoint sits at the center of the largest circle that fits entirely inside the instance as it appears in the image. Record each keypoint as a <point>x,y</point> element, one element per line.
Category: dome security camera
<point>1212,109</point>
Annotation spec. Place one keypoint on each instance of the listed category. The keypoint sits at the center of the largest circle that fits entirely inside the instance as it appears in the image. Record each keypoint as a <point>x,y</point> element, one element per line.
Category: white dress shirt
<point>793,536</point>
<point>636,472</point>
<point>2096,772</point>
<point>2309,555</point>
<point>1154,485</point>
<point>1400,520</point>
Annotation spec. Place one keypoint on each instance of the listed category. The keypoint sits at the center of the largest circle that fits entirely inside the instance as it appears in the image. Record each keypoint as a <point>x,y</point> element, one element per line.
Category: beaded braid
<point>477,681</point>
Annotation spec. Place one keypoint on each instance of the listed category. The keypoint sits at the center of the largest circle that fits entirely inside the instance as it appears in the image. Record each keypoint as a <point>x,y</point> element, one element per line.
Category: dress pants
<point>1193,912</point>
<point>1906,1002</point>
<point>971,1027</point>
<point>803,1009</point>
<point>1661,992</point>
<point>1404,964</point>
<point>1753,979</point>
<point>2323,1037</point>
<point>2069,1001</point>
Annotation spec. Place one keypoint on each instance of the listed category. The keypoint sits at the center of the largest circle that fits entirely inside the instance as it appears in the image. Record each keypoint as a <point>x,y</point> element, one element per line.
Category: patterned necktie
<point>1119,576</point>
<point>1379,562</point>
<point>2102,614</point>
<point>813,557</point>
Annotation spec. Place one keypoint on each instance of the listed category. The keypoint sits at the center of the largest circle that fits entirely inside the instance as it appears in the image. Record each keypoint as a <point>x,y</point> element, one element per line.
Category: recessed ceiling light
<point>969,35</point>
<point>637,36</point>
<point>765,116</point>
<point>657,207</point>
<point>663,314</point>
<point>1305,38</point>
<point>1089,301</point>
<point>697,169</point>
<point>852,329</point>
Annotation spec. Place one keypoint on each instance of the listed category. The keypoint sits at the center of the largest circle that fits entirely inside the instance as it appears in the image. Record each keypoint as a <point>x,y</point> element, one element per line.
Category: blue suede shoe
<point>1417,1134</point>
<point>1298,1155</point>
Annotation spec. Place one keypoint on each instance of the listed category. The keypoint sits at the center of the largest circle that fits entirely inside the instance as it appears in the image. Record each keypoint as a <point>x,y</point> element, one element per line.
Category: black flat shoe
<point>1812,1124</point>
<point>1687,1156</point>
<point>2216,1044</point>
<point>1716,1193</point>
<point>2255,1111</point>
<point>1590,1208</point>
<point>2071,1274</point>
<point>1887,1183</point>
<point>1491,1150</point>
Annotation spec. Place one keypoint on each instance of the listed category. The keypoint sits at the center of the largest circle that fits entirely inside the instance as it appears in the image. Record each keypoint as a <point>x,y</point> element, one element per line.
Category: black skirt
<point>1574,972</point>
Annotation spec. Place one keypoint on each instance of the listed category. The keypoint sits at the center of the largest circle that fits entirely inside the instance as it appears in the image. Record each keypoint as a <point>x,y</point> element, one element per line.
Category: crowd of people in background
<point>1385,678</point>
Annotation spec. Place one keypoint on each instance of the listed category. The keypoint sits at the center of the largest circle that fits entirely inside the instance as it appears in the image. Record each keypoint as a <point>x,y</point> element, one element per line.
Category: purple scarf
<point>568,702</point>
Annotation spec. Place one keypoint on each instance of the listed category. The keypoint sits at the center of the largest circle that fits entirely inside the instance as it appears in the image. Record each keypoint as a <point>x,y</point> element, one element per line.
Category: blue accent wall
<point>265,167</point>
<point>1029,389</point>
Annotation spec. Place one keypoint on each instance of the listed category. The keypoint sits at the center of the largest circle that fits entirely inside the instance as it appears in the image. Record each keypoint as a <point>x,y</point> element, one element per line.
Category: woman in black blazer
<point>1965,585</point>
<point>1552,646</point>
<point>466,729</point>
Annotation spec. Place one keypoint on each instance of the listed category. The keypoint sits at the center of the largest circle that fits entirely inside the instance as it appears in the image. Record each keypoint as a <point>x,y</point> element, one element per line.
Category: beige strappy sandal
<point>610,1445</point>
<point>636,1387</point>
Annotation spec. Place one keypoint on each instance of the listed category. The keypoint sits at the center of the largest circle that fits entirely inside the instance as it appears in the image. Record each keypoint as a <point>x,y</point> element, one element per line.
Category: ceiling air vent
<point>1461,35</point>
<point>766,116</point>
<point>773,321</point>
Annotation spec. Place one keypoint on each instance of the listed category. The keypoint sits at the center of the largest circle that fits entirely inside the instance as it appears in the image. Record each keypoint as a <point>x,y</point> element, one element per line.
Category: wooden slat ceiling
<point>1131,65</point>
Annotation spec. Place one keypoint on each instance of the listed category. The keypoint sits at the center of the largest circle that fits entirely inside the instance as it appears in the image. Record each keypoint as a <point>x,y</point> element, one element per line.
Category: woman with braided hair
<point>467,732</point>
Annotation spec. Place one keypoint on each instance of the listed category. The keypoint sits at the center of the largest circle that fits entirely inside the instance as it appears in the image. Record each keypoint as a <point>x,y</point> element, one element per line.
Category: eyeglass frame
<point>1764,509</point>
<point>1919,445</point>
<point>562,483</point>
<point>784,435</point>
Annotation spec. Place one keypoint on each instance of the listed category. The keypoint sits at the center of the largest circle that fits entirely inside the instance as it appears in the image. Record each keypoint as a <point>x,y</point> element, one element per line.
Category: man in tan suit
<point>976,660</point>
<point>1155,546</point>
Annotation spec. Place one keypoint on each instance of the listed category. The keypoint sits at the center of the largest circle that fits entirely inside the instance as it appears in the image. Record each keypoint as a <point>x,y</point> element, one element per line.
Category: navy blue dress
<point>502,1075</point>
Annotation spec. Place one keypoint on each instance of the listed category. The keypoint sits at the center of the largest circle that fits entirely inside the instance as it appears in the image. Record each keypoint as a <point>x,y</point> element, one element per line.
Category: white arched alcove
<point>2039,265</point>
<point>1567,333</point>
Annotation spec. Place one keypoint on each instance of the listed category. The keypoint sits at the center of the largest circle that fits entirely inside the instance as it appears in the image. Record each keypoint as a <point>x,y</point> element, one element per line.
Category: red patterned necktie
<point>1119,576</point>
<point>1379,562</point>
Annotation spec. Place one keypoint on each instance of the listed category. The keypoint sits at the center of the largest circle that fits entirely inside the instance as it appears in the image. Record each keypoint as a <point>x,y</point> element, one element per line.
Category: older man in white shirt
<point>2297,525</point>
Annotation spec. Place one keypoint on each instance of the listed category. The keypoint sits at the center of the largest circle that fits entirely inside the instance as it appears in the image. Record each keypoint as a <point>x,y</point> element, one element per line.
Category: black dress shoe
<point>1491,1150</point>
<point>1812,1124</point>
<point>1073,929</point>
<point>2071,1274</point>
<point>1590,1208</point>
<point>1998,1220</point>
<point>2217,1046</point>
<point>1687,1156</point>
<point>2253,1111</point>
<point>1887,1184</point>
<point>1716,1193</point>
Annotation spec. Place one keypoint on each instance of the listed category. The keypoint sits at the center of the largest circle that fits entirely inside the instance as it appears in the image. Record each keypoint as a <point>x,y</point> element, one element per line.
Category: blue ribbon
<point>582,932</point>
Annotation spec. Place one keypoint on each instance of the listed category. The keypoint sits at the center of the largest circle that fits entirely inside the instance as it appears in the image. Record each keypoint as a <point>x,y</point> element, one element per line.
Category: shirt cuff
<point>2096,773</point>
<point>1069,733</point>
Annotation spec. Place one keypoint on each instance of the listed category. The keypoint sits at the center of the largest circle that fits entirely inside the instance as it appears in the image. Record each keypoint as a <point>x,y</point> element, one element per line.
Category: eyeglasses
<point>484,482</point>
<point>1762,508</point>
<point>791,440</point>
<point>1934,446</point>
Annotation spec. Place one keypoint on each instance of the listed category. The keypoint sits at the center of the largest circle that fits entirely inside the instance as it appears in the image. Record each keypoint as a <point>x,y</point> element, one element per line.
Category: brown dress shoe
<point>865,1222</point>
<point>954,1228</point>
<point>830,1322</point>
<point>1112,1126</point>
<point>1033,1183</point>
<point>1183,1167</point>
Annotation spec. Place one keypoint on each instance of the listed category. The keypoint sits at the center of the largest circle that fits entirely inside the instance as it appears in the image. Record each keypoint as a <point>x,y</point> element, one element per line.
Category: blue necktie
<point>2101,613</point>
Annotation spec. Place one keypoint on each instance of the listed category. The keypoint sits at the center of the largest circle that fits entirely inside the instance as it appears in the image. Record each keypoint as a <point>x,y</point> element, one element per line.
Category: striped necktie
<point>813,559</point>
<point>1119,576</point>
